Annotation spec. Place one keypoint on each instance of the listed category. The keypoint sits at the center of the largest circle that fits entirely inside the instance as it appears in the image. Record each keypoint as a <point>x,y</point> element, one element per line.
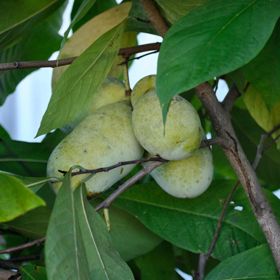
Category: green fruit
<point>112,90</point>
<point>182,133</point>
<point>186,178</point>
<point>101,139</point>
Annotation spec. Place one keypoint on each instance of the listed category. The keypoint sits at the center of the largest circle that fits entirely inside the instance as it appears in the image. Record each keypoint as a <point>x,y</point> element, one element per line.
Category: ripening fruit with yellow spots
<point>186,178</point>
<point>103,138</point>
<point>182,133</point>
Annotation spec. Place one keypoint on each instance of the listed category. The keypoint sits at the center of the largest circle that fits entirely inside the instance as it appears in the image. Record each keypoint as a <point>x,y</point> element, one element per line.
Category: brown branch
<point>126,52</point>
<point>62,62</point>
<point>23,246</point>
<point>155,17</point>
<point>230,98</point>
<point>243,169</point>
<point>119,164</point>
<point>130,182</point>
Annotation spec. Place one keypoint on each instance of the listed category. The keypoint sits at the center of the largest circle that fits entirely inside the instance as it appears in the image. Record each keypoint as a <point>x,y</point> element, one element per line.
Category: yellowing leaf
<point>89,33</point>
<point>81,80</point>
<point>265,118</point>
<point>258,109</point>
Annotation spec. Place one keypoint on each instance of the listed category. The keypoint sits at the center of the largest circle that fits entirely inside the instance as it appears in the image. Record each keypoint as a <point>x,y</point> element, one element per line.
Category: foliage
<point>151,233</point>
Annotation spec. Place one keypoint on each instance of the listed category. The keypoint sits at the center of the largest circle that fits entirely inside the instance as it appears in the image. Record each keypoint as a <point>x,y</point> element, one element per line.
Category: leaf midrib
<point>230,20</point>
<point>189,212</point>
<point>91,235</point>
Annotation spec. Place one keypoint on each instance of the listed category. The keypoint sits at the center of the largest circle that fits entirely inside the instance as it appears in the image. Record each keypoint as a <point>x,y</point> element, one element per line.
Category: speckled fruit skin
<point>187,178</point>
<point>111,91</point>
<point>183,132</point>
<point>102,139</point>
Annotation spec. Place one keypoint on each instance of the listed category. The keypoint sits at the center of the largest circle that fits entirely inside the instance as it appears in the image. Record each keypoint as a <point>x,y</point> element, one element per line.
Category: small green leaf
<point>15,198</point>
<point>33,224</point>
<point>103,260</point>
<point>190,223</point>
<point>254,264</point>
<point>64,249</point>
<point>81,80</point>
<point>33,272</point>
<point>159,264</point>
<point>212,40</point>
<point>130,237</point>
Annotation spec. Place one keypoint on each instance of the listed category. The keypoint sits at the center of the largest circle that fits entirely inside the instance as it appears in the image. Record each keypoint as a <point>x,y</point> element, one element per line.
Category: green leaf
<point>26,159</point>
<point>33,224</point>
<point>33,272</point>
<point>254,264</point>
<point>174,12</point>
<point>15,198</point>
<point>131,238</point>
<point>37,44</point>
<point>249,135</point>
<point>212,40</point>
<point>263,71</point>
<point>64,249</point>
<point>99,7</point>
<point>103,260</point>
<point>190,223</point>
<point>82,11</point>
<point>80,81</point>
<point>18,17</point>
<point>158,264</point>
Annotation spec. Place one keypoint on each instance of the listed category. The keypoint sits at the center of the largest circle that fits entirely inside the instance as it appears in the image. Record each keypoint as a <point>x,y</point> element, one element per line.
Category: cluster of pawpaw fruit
<point>120,128</point>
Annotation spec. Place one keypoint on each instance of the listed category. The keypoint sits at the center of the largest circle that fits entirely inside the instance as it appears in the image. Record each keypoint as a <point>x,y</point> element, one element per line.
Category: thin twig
<point>203,258</point>
<point>119,164</point>
<point>138,57</point>
<point>214,141</point>
<point>66,61</point>
<point>126,76</point>
<point>130,182</point>
<point>36,242</point>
